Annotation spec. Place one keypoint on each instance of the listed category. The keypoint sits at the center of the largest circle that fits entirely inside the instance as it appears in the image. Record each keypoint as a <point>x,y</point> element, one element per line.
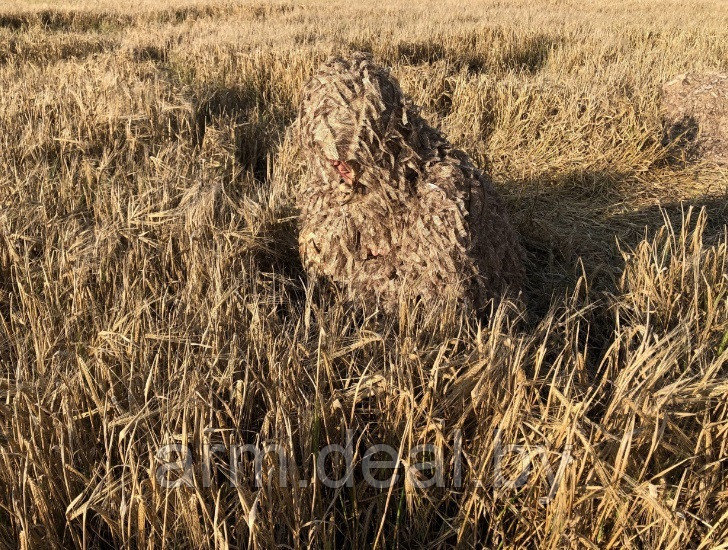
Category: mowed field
<point>154,313</point>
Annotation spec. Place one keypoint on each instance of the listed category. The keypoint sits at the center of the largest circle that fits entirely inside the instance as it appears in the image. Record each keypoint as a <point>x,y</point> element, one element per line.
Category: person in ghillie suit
<point>388,203</point>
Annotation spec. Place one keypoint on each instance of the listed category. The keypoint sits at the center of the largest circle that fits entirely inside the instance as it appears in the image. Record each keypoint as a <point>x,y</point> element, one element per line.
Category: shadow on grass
<point>61,20</point>
<point>576,224</point>
<point>66,21</point>
<point>20,51</point>
<point>257,128</point>
<point>487,50</point>
<point>579,224</point>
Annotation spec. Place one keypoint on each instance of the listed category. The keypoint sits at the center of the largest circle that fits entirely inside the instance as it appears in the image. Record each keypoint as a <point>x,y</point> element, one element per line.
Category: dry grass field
<point>151,293</point>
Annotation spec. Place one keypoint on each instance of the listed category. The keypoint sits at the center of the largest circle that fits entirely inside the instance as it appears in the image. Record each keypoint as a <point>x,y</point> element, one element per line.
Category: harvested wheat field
<point>172,377</point>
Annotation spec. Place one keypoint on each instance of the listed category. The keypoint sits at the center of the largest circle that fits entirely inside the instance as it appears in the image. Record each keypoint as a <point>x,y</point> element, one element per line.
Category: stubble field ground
<point>151,293</point>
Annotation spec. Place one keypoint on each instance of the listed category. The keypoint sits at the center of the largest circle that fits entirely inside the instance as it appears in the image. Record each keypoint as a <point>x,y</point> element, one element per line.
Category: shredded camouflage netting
<point>388,203</point>
<point>695,111</point>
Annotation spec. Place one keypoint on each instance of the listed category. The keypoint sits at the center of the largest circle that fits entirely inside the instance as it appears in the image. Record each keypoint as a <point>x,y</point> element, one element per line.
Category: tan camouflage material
<point>388,203</point>
<point>695,111</point>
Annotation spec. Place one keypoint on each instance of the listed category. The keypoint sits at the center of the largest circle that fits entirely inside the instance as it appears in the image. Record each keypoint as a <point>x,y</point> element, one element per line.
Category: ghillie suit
<point>695,112</point>
<point>388,202</point>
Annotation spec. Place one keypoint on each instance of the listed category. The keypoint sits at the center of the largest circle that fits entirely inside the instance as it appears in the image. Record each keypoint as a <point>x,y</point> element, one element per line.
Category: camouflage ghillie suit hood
<point>388,202</point>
